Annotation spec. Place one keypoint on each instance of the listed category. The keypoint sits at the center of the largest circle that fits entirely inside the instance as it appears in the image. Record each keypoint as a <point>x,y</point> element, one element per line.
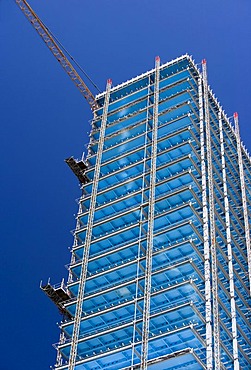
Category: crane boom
<point>56,51</point>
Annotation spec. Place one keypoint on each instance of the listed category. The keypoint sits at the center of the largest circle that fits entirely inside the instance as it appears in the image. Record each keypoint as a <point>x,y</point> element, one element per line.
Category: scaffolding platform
<point>58,295</point>
<point>78,168</point>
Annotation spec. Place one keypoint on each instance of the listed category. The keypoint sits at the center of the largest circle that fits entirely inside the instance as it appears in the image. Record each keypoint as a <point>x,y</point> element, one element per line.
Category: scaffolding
<point>78,168</point>
<point>159,268</point>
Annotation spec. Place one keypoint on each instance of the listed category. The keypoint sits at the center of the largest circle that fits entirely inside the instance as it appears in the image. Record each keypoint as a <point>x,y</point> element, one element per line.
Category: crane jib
<point>51,43</point>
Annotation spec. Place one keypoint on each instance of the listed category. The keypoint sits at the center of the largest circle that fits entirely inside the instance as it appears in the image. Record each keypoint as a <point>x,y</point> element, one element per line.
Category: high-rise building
<point>161,264</point>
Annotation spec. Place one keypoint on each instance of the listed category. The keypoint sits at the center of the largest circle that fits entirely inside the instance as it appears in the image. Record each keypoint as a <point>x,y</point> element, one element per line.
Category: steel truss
<point>52,44</point>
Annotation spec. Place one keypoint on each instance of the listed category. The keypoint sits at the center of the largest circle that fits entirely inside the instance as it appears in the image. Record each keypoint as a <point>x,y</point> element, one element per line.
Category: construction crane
<point>52,44</point>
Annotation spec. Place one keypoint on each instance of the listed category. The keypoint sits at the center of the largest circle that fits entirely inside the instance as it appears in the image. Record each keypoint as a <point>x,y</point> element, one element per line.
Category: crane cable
<point>69,55</point>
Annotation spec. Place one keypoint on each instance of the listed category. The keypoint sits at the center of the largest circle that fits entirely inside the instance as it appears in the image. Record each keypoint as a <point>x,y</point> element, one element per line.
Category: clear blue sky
<point>44,119</point>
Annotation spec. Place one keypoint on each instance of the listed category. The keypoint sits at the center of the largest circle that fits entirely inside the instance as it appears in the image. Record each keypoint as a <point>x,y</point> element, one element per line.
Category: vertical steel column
<point>59,360</point>
<point>207,268</point>
<point>75,243</point>
<point>229,248</point>
<point>216,329</point>
<point>136,307</point>
<point>82,279</point>
<point>70,276</point>
<point>244,197</point>
<point>150,230</point>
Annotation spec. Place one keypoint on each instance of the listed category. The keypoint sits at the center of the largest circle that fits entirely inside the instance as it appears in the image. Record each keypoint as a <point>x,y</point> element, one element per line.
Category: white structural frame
<point>216,328</point>
<point>229,247</point>
<point>207,267</point>
<point>150,231</point>
<point>136,304</point>
<point>82,279</point>
<point>243,196</point>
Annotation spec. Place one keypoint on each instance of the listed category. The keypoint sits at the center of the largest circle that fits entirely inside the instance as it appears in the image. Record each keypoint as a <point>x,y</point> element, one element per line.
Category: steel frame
<point>216,329</point>
<point>244,197</point>
<point>229,248</point>
<point>216,219</point>
<point>78,314</point>
<point>150,231</point>
<point>137,309</point>
<point>208,309</point>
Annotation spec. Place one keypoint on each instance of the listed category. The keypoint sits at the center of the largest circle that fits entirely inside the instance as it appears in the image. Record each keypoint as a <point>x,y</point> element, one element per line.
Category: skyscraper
<point>161,264</point>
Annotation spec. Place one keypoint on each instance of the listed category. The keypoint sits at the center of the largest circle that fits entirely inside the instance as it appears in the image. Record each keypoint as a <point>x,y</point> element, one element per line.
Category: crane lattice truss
<point>57,52</point>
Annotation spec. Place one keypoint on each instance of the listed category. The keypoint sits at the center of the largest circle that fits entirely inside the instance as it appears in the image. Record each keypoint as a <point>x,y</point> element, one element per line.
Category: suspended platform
<point>78,168</point>
<point>58,295</point>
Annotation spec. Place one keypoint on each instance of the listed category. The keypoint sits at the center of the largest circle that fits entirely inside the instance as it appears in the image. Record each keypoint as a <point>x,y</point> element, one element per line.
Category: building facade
<point>160,270</point>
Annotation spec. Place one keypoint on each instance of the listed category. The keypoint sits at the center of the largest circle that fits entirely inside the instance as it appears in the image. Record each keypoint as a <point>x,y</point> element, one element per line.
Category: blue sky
<point>44,120</point>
